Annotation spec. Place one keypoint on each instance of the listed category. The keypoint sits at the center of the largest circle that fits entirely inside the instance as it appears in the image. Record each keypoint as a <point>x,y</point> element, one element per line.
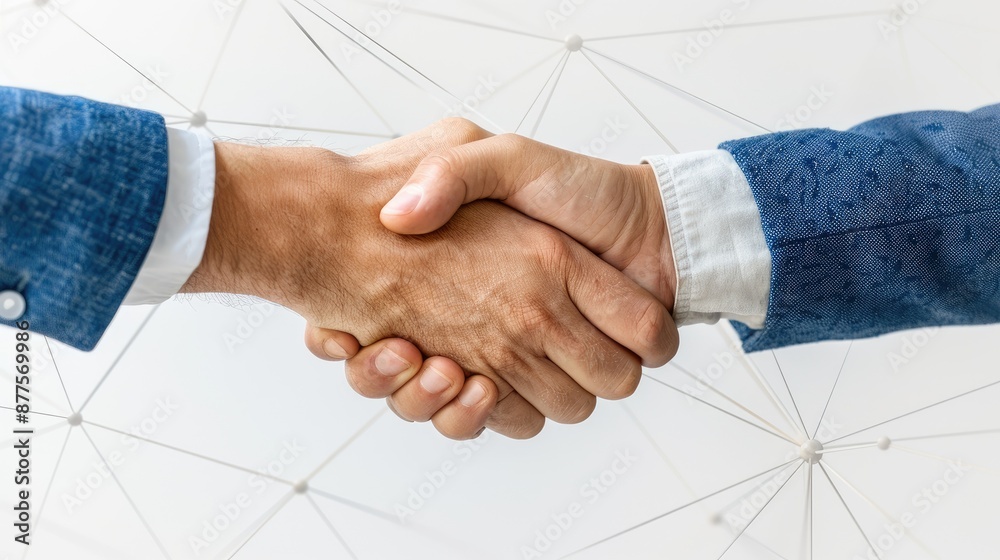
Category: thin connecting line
<point>121,354</point>
<point>811,513</point>
<point>750,366</point>
<point>840,448</point>
<point>52,357</point>
<point>364,428</point>
<point>849,512</point>
<point>125,493</point>
<point>991,32</point>
<point>630,102</point>
<point>764,385</point>
<point>40,432</point>
<point>722,410</point>
<point>268,516</point>
<point>266,475</point>
<point>218,57</point>
<point>914,438</point>
<point>329,524</point>
<point>48,489</point>
<point>395,56</point>
<point>829,399</point>
<point>39,397</point>
<point>356,505</point>
<point>659,449</point>
<point>482,25</point>
<point>956,63</point>
<point>12,409</point>
<point>548,99</point>
<point>340,72</point>
<point>559,66</point>
<point>683,507</point>
<point>743,25</point>
<point>789,389</point>
<point>759,512</point>
<point>677,89</point>
<point>951,435</point>
<point>304,129</point>
<point>189,453</point>
<point>949,460</point>
<point>912,412</point>
<point>119,57</point>
<point>777,430</point>
<point>508,82</point>
<point>882,511</point>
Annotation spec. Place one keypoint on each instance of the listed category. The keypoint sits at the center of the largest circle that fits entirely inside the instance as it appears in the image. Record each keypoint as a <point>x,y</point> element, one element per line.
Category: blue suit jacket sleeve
<point>82,186</point>
<point>893,224</point>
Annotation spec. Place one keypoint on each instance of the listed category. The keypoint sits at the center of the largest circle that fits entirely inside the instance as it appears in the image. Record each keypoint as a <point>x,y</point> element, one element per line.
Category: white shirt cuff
<point>181,235</point>
<point>722,259</point>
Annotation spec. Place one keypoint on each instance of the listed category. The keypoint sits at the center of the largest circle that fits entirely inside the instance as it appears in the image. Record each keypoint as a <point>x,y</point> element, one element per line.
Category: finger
<point>550,390</point>
<point>621,309</point>
<point>439,381</point>
<point>440,135</point>
<point>515,417</point>
<point>599,364</point>
<point>381,369</point>
<point>465,416</point>
<point>443,181</point>
<point>331,345</point>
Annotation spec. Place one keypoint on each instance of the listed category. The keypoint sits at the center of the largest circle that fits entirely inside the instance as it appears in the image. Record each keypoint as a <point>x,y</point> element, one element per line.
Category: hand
<point>614,210</point>
<point>508,298</point>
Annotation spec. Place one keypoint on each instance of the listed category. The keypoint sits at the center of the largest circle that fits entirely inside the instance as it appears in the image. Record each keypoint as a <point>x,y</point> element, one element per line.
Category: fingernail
<point>472,395</point>
<point>405,200</point>
<point>433,381</point>
<point>334,350</point>
<point>389,364</point>
<point>480,432</point>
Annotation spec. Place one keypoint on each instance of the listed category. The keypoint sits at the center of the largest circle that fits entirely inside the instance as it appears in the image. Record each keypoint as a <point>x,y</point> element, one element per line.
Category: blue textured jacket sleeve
<point>82,186</point>
<point>891,225</point>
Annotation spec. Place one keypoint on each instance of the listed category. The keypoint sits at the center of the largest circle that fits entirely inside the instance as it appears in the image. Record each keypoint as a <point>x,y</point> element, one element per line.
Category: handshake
<point>468,314</point>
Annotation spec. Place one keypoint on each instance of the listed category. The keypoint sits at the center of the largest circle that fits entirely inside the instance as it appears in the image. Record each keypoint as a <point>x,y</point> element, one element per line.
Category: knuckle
<point>443,162</point>
<point>552,246</point>
<point>535,320</point>
<point>650,323</point>
<point>522,428</point>
<point>627,381</point>
<point>454,432</point>
<point>577,408</point>
<point>363,382</point>
<point>513,143</point>
<point>461,131</point>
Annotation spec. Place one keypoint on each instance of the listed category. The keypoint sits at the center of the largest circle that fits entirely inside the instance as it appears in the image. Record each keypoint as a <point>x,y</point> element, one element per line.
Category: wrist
<point>263,201</point>
<point>655,249</point>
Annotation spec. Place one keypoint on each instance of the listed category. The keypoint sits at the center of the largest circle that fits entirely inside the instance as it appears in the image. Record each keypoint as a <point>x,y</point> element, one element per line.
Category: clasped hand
<point>522,320</point>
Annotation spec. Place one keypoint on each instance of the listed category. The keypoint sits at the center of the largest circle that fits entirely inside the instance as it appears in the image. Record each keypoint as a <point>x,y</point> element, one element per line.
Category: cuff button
<point>12,305</point>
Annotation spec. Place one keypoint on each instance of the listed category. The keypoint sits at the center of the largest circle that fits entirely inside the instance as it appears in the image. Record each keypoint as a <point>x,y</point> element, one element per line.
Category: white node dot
<point>574,43</point>
<point>301,487</point>
<point>811,451</point>
<point>199,119</point>
<point>74,419</point>
<point>884,443</point>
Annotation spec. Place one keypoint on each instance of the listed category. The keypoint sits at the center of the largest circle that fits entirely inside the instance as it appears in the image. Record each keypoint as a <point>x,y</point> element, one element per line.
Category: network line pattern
<point>201,429</point>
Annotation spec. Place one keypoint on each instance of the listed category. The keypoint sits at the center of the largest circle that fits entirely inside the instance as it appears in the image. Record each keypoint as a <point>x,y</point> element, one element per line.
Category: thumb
<point>446,180</point>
